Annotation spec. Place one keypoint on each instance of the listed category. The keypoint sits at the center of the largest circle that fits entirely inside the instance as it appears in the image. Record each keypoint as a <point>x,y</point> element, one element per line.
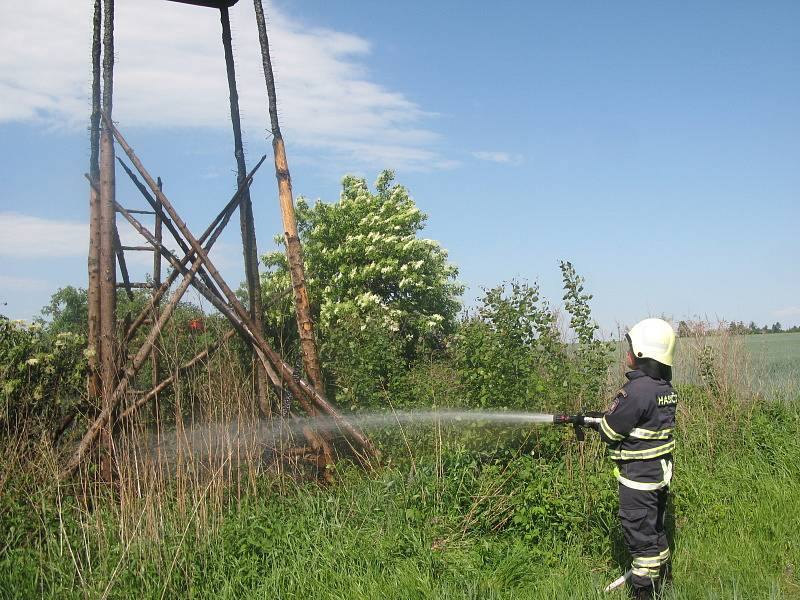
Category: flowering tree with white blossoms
<point>364,260</point>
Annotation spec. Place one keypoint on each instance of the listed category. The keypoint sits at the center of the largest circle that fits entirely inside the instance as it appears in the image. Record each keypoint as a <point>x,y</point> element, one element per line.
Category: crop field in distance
<point>778,354</point>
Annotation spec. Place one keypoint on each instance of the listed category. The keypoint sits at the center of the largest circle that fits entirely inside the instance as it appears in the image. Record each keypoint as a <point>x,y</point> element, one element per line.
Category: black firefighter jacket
<point>639,427</point>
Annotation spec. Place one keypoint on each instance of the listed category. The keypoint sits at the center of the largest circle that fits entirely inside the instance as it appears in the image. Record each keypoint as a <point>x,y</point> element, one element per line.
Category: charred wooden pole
<point>247,226</point>
<point>108,235</point>
<point>108,270</point>
<point>294,253</point>
<point>94,385</point>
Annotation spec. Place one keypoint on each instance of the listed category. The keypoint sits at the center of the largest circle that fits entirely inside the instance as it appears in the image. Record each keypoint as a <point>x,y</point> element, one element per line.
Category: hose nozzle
<point>568,419</point>
<point>577,421</point>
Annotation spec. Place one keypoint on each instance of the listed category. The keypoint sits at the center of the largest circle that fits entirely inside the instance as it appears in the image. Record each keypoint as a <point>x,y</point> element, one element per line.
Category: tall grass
<point>199,512</point>
<point>748,365</point>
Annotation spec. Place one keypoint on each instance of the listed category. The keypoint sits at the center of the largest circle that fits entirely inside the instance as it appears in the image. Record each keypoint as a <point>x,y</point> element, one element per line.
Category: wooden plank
<point>135,285</point>
<point>140,212</point>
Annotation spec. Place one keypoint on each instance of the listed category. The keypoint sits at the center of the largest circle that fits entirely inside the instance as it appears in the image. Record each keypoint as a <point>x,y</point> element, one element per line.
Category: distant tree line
<point>686,328</point>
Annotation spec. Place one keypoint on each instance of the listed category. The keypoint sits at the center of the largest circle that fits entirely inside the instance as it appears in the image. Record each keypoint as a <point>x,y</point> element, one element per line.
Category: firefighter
<point>638,428</point>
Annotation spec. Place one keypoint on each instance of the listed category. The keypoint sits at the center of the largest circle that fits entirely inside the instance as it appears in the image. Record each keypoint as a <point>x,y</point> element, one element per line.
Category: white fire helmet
<point>653,338</point>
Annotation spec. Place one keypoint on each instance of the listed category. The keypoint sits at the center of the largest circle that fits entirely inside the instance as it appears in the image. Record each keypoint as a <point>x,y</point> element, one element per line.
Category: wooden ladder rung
<point>136,285</point>
<point>139,212</point>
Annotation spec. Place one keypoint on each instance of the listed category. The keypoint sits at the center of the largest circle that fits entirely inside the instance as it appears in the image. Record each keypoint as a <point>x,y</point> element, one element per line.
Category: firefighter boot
<point>644,593</point>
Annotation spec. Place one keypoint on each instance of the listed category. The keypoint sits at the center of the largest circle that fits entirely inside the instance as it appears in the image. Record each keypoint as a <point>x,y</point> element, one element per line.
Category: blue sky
<point>656,146</point>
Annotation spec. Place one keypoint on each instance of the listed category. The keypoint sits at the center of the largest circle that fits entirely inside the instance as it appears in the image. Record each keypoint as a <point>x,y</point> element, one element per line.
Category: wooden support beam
<point>318,442</point>
<point>101,423</point>
<point>157,209</point>
<point>301,389</point>
<point>164,383</point>
<point>141,212</point>
<point>273,377</point>
<point>217,302</point>
<point>155,362</point>
<point>171,258</point>
<point>211,233</point>
<point>138,248</point>
<point>181,269</point>
<point>136,285</point>
<point>119,250</point>
<point>159,212</point>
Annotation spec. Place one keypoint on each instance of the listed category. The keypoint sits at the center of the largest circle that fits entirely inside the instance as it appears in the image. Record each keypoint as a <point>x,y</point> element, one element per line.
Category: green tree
<point>738,328</point>
<point>510,352</point>
<point>67,311</point>
<point>592,354</point>
<point>683,329</point>
<point>365,260</point>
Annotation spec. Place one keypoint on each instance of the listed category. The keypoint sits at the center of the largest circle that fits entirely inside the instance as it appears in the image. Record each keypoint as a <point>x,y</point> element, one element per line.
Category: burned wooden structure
<point>112,369</point>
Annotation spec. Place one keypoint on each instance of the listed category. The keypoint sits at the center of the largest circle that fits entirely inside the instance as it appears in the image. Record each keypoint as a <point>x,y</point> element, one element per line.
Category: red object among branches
<point>196,325</point>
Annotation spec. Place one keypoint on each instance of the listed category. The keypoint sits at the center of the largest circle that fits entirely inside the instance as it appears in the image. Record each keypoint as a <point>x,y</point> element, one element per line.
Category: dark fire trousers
<point>641,514</point>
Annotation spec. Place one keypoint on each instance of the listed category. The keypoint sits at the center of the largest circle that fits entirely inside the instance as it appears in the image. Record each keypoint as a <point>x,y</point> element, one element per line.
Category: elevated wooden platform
<point>209,3</point>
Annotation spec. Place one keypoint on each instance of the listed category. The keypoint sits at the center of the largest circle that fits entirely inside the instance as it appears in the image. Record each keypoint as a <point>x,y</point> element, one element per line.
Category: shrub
<point>42,375</point>
<point>364,364</point>
<point>510,353</point>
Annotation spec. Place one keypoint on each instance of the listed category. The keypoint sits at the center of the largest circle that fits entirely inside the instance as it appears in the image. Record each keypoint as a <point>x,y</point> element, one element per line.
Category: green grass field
<point>450,514</point>
<point>765,364</point>
<point>777,353</point>
<point>538,523</point>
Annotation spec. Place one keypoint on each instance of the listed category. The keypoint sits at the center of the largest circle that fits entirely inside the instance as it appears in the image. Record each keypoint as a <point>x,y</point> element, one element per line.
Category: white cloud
<point>23,284</point>
<point>505,158</point>
<point>33,237</point>
<point>170,71</point>
<point>26,237</point>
